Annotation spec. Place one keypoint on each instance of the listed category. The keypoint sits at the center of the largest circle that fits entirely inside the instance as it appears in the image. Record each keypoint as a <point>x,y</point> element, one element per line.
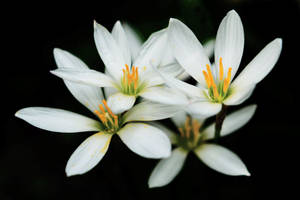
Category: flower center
<point>110,121</point>
<point>190,136</point>
<point>130,83</point>
<point>217,92</point>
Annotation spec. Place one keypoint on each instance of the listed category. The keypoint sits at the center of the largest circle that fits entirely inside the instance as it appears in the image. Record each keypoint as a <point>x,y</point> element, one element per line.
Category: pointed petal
<point>88,154</point>
<point>167,169</point>
<point>120,37</point>
<point>171,135</point>
<point>84,76</point>
<point>187,50</point>
<point>240,93</point>
<point>57,120</point>
<point>179,118</point>
<point>261,65</point>
<point>221,159</point>
<point>120,102</point>
<point>230,42</point>
<point>164,95</point>
<point>204,108</point>
<point>134,40</point>
<point>87,95</point>
<point>150,111</point>
<point>109,51</point>
<point>145,140</point>
<point>232,122</point>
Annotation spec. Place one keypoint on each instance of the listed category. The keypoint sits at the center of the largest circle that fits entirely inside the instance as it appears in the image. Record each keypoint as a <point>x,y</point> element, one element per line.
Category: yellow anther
<point>227,80</point>
<point>127,68</point>
<point>206,79</point>
<point>101,116</point>
<point>215,91</point>
<point>102,109</point>
<point>211,78</point>
<point>107,108</point>
<point>229,74</point>
<point>221,71</point>
<point>181,132</point>
<point>116,120</point>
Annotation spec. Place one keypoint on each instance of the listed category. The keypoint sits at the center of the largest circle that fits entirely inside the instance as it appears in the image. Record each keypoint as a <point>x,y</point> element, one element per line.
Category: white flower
<point>215,82</point>
<point>128,72</point>
<point>192,138</point>
<point>143,139</point>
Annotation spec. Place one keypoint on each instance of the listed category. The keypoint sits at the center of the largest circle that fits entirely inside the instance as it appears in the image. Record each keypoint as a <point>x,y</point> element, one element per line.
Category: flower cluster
<point>145,82</point>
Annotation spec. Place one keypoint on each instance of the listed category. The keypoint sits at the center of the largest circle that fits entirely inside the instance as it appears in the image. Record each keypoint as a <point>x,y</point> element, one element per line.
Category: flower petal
<point>261,65</point>
<point>179,118</point>
<point>134,40</point>
<point>171,135</point>
<point>230,42</point>
<point>84,76</point>
<point>145,140</point>
<point>57,120</point>
<point>164,95</point>
<point>209,47</point>
<point>120,37</point>
<point>88,154</point>
<point>240,93</point>
<point>167,169</point>
<point>109,51</point>
<point>221,159</point>
<point>187,50</point>
<point>232,122</point>
<point>203,108</point>
<point>87,95</point>
<point>120,102</point>
<point>150,111</point>
<point>151,52</point>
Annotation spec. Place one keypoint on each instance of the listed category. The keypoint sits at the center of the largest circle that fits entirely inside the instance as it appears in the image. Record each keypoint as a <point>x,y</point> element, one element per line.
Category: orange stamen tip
<point>127,68</point>
<point>221,71</point>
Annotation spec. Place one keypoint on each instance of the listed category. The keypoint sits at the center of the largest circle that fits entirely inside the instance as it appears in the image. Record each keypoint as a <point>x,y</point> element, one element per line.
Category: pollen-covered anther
<point>130,77</point>
<point>107,117</point>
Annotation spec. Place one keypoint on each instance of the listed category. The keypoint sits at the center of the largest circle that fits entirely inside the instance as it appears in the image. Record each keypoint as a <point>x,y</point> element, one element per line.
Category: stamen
<point>187,127</point>
<point>181,132</point>
<point>221,71</point>
<point>107,108</point>
<point>127,68</point>
<point>102,109</point>
<point>215,90</point>
<point>116,120</point>
<point>211,78</point>
<point>101,117</point>
<point>206,79</point>
<point>227,80</point>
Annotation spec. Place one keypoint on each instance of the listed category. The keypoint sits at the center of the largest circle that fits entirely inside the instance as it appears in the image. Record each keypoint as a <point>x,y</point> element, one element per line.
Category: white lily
<point>128,73</point>
<point>142,138</point>
<point>192,138</point>
<point>216,85</point>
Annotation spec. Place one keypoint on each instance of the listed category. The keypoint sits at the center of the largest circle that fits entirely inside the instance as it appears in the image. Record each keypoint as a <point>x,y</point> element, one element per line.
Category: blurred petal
<point>187,50</point>
<point>179,118</point>
<point>171,135</point>
<point>120,102</point>
<point>120,37</point>
<point>145,140</point>
<point>109,51</point>
<point>204,108</point>
<point>84,76</point>
<point>261,65</point>
<point>134,40</point>
<point>221,160</point>
<point>150,111</point>
<point>88,154</point>
<point>164,95</point>
<point>87,95</point>
<point>232,122</point>
<point>230,42</point>
<point>167,169</point>
<point>239,94</point>
<point>209,47</point>
<point>57,120</point>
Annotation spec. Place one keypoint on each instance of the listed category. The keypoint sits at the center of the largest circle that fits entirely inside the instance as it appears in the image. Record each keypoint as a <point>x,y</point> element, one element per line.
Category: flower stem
<point>219,121</point>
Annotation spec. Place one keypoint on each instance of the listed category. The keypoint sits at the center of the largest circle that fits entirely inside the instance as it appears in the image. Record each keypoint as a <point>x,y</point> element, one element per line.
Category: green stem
<point>219,121</point>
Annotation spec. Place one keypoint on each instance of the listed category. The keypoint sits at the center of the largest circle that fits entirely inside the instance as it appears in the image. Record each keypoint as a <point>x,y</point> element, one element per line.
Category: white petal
<point>184,76</point>
<point>145,140</point>
<point>232,122</point>
<point>261,65</point>
<point>150,111</point>
<point>230,42</point>
<point>88,154</point>
<point>57,120</point>
<point>164,95</point>
<point>119,102</point>
<point>134,40</point>
<point>204,108</point>
<point>120,37</point>
<point>84,76</point>
<point>179,118</point>
<point>209,47</point>
<point>171,134</point>
<point>187,50</point>
<point>167,169</point>
<point>221,160</point>
<point>240,93</point>
<point>109,91</point>
<point>89,96</point>
<point>151,52</point>
<point>109,51</point>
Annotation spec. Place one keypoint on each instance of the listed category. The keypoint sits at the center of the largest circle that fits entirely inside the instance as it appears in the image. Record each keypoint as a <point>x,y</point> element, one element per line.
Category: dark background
<point>32,161</point>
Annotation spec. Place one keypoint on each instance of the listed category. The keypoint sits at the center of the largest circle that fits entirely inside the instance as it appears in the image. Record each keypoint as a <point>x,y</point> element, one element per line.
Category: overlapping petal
<point>204,108</point>
<point>134,40</point>
<point>120,102</point>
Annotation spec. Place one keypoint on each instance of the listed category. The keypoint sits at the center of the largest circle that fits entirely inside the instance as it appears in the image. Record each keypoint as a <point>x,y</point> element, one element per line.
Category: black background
<point>32,161</point>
